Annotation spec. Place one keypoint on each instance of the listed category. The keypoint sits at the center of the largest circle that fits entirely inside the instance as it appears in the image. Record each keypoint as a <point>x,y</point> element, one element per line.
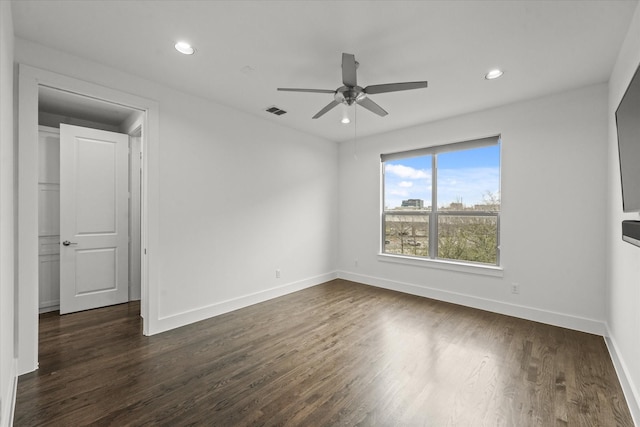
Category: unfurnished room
<point>318,213</point>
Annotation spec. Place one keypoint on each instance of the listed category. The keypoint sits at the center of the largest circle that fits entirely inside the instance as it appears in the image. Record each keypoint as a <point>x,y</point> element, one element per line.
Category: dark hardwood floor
<point>336,354</point>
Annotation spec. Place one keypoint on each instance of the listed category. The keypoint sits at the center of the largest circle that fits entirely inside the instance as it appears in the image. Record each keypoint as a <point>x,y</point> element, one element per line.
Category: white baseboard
<point>181,319</point>
<point>9,402</point>
<point>543,316</point>
<point>47,306</point>
<point>631,392</point>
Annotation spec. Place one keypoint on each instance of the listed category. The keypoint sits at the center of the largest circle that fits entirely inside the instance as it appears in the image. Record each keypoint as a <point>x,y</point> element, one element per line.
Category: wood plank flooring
<point>340,353</point>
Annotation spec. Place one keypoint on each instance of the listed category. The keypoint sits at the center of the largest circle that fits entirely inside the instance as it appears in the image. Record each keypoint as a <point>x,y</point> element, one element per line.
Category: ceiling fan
<point>351,93</point>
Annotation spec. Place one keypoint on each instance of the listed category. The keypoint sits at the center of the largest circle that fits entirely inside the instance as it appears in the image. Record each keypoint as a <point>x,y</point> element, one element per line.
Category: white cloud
<point>406,172</point>
<point>405,184</point>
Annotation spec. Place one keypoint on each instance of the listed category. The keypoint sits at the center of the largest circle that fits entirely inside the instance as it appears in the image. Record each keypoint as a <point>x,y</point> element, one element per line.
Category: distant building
<point>413,203</point>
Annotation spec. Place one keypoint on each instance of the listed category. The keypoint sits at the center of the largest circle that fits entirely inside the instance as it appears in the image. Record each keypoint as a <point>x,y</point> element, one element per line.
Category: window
<point>443,202</point>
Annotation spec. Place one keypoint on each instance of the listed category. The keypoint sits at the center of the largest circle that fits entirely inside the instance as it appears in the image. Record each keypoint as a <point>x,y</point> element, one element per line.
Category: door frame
<point>134,131</point>
<point>29,80</point>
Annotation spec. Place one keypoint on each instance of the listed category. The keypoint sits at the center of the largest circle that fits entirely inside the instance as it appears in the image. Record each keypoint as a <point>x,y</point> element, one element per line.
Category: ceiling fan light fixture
<point>494,74</point>
<point>184,48</point>
<point>345,114</point>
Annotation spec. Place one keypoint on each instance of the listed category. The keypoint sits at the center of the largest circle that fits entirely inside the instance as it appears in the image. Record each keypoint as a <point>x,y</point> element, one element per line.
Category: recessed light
<point>345,121</point>
<point>493,74</point>
<point>184,47</point>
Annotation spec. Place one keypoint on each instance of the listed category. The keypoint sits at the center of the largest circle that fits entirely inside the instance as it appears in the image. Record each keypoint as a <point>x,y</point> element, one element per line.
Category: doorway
<point>119,260</point>
<point>92,97</point>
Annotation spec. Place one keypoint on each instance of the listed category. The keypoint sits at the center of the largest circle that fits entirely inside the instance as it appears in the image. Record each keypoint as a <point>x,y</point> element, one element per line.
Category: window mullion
<point>433,215</point>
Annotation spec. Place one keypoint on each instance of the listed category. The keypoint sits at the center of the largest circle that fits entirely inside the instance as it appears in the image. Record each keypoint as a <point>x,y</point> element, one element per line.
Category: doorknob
<point>67,243</point>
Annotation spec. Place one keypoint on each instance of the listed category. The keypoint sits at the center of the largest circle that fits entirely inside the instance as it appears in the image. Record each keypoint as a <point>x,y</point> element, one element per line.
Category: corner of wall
<point>9,401</point>
<point>626,380</point>
<point>623,318</point>
<point>8,363</point>
<point>216,309</point>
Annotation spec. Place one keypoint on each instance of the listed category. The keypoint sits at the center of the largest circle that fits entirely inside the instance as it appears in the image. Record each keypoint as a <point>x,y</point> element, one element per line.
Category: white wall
<point>552,219</point>
<point>241,198</point>
<point>7,205</point>
<point>623,272</point>
<point>238,198</point>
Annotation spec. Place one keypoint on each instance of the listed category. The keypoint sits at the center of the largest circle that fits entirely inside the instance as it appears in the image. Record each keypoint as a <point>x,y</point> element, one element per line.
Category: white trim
<point>47,306</point>
<point>206,312</point>
<point>27,272</point>
<point>7,412</point>
<point>29,79</point>
<point>484,270</point>
<point>543,316</point>
<point>631,392</point>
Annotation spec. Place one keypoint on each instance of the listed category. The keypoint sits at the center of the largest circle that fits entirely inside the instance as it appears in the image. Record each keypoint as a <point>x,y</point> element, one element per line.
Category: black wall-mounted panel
<point>631,232</point>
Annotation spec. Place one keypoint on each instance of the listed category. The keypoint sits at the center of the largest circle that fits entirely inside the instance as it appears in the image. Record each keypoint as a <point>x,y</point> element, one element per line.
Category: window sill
<point>484,270</point>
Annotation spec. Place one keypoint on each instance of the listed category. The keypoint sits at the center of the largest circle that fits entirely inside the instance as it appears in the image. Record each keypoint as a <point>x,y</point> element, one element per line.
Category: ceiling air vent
<point>275,110</point>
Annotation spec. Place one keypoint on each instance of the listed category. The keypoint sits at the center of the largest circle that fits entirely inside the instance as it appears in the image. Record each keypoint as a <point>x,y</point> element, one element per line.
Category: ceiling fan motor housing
<point>348,95</point>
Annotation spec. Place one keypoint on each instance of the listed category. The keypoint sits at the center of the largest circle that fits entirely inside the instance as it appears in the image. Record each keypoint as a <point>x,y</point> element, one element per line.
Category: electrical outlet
<point>278,274</point>
<point>355,263</point>
<point>515,288</point>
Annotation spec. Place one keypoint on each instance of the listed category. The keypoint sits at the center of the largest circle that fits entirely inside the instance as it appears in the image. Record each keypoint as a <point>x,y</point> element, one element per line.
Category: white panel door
<point>93,218</point>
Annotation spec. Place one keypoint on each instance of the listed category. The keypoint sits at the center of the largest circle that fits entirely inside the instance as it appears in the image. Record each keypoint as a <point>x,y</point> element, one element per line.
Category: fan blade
<point>306,90</point>
<point>349,77</point>
<point>393,87</point>
<point>372,106</point>
<point>325,109</point>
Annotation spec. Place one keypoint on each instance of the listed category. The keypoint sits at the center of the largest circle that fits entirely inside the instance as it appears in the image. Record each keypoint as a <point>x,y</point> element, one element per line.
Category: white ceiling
<point>246,49</point>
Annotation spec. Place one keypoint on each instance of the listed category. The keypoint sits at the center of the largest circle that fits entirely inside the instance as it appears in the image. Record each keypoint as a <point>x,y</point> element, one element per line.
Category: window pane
<point>468,238</point>
<point>469,179</point>
<point>466,202</point>
<point>407,184</point>
<point>406,234</point>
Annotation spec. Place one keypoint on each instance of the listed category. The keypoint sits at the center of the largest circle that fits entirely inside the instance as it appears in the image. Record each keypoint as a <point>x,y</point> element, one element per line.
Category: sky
<point>465,176</point>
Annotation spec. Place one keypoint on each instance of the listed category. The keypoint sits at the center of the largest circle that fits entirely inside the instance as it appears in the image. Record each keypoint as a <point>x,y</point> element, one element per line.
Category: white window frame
<point>432,259</point>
